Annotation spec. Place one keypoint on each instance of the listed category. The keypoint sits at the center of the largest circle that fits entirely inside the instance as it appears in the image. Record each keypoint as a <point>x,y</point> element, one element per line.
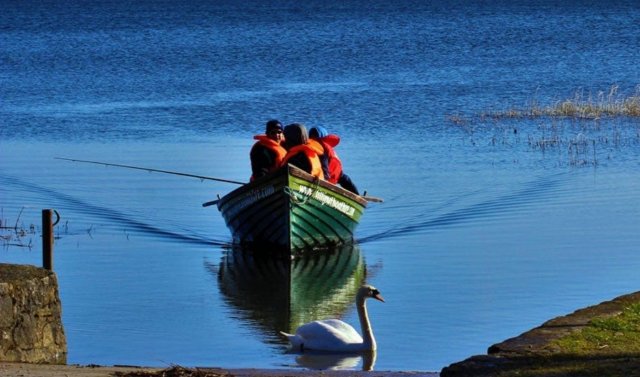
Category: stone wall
<point>30,316</point>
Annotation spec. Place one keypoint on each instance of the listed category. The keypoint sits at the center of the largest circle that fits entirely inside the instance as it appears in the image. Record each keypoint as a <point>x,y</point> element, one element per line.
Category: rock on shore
<point>30,316</point>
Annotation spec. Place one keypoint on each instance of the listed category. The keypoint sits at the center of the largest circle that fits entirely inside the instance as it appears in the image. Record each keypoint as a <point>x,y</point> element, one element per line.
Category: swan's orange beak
<point>378,297</point>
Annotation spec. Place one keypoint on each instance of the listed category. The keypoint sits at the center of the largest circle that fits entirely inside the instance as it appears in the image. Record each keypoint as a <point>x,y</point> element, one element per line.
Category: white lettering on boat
<point>250,198</point>
<point>327,200</point>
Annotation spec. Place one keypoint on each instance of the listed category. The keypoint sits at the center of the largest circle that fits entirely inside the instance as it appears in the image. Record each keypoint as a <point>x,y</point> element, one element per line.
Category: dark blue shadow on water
<point>112,216</point>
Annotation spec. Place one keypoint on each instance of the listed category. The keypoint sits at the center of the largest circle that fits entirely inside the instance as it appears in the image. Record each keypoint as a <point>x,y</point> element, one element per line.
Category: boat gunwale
<point>296,172</point>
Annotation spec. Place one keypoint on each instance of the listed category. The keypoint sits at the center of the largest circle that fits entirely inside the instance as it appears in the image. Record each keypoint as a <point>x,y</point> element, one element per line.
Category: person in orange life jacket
<point>300,152</point>
<point>267,153</point>
<point>334,173</point>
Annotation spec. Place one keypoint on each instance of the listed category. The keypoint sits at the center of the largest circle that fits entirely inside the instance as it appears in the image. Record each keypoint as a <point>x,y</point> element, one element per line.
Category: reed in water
<point>580,106</point>
<point>15,233</point>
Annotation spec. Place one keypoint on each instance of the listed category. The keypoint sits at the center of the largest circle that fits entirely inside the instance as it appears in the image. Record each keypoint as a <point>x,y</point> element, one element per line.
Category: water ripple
<point>113,216</point>
<point>530,194</point>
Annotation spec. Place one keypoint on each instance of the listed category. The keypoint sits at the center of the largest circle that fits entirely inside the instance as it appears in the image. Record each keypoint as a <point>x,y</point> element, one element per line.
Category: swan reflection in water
<point>336,361</point>
<point>276,293</point>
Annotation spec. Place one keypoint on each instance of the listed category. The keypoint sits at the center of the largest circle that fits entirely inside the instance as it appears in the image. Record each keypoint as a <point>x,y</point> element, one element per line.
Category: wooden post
<point>47,239</point>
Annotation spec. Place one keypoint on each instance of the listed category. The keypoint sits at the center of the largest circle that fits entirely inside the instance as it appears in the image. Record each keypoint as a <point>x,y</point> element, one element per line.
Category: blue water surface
<point>490,226</point>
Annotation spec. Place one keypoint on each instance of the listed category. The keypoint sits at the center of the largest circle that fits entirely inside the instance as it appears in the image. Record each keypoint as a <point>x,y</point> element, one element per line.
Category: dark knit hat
<point>295,134</point>
<point>273,125</point>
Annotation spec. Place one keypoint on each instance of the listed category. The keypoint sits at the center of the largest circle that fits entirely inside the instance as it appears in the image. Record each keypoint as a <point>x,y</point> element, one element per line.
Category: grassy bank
<point>603,340</point>
<point>607,346</point>
<point>606,336</point>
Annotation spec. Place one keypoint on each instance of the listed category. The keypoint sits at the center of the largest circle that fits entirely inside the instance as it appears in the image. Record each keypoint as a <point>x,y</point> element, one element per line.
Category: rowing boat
<point>293,211</point>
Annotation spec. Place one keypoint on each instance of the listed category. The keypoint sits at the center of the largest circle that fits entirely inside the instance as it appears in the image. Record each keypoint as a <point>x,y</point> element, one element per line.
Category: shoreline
<point>534,350</point>
<point>510,356</point>
<point>48,370</point>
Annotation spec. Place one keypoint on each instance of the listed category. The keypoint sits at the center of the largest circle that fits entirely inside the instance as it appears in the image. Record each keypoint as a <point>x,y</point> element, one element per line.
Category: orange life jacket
<point>274,146</point>
<point>316,146</point>
<point>311,150</point>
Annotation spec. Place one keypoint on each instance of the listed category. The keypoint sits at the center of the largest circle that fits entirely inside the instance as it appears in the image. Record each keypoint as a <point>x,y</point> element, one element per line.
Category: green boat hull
<point>290,210</point>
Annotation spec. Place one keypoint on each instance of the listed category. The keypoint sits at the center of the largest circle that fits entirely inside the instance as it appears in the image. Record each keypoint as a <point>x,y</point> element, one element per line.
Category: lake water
<point>489,226</point>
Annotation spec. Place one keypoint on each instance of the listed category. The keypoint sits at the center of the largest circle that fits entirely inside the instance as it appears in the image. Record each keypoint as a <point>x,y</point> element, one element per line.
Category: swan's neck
<point>367,334</point>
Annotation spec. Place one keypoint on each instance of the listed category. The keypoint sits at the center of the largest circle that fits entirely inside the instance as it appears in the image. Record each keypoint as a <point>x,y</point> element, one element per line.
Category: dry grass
<point>177,371</point>
<point>581,131</point>
<point>581,106</point>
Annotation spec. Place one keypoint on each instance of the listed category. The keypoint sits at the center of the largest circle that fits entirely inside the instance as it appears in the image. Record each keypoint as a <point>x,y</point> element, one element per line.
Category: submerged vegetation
<point>581,131</point>
<point>15,233</point>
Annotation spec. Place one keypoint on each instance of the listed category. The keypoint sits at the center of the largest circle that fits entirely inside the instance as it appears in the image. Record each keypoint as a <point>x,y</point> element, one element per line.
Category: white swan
<point>336,335</point>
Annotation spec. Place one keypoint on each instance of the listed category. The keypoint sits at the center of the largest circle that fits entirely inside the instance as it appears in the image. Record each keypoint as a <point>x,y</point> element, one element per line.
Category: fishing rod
<point>152,170</point>
<point>372,199</point>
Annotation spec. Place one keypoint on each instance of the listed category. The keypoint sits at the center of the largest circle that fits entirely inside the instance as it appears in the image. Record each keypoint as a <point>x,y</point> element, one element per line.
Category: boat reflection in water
<point>274,294</point>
